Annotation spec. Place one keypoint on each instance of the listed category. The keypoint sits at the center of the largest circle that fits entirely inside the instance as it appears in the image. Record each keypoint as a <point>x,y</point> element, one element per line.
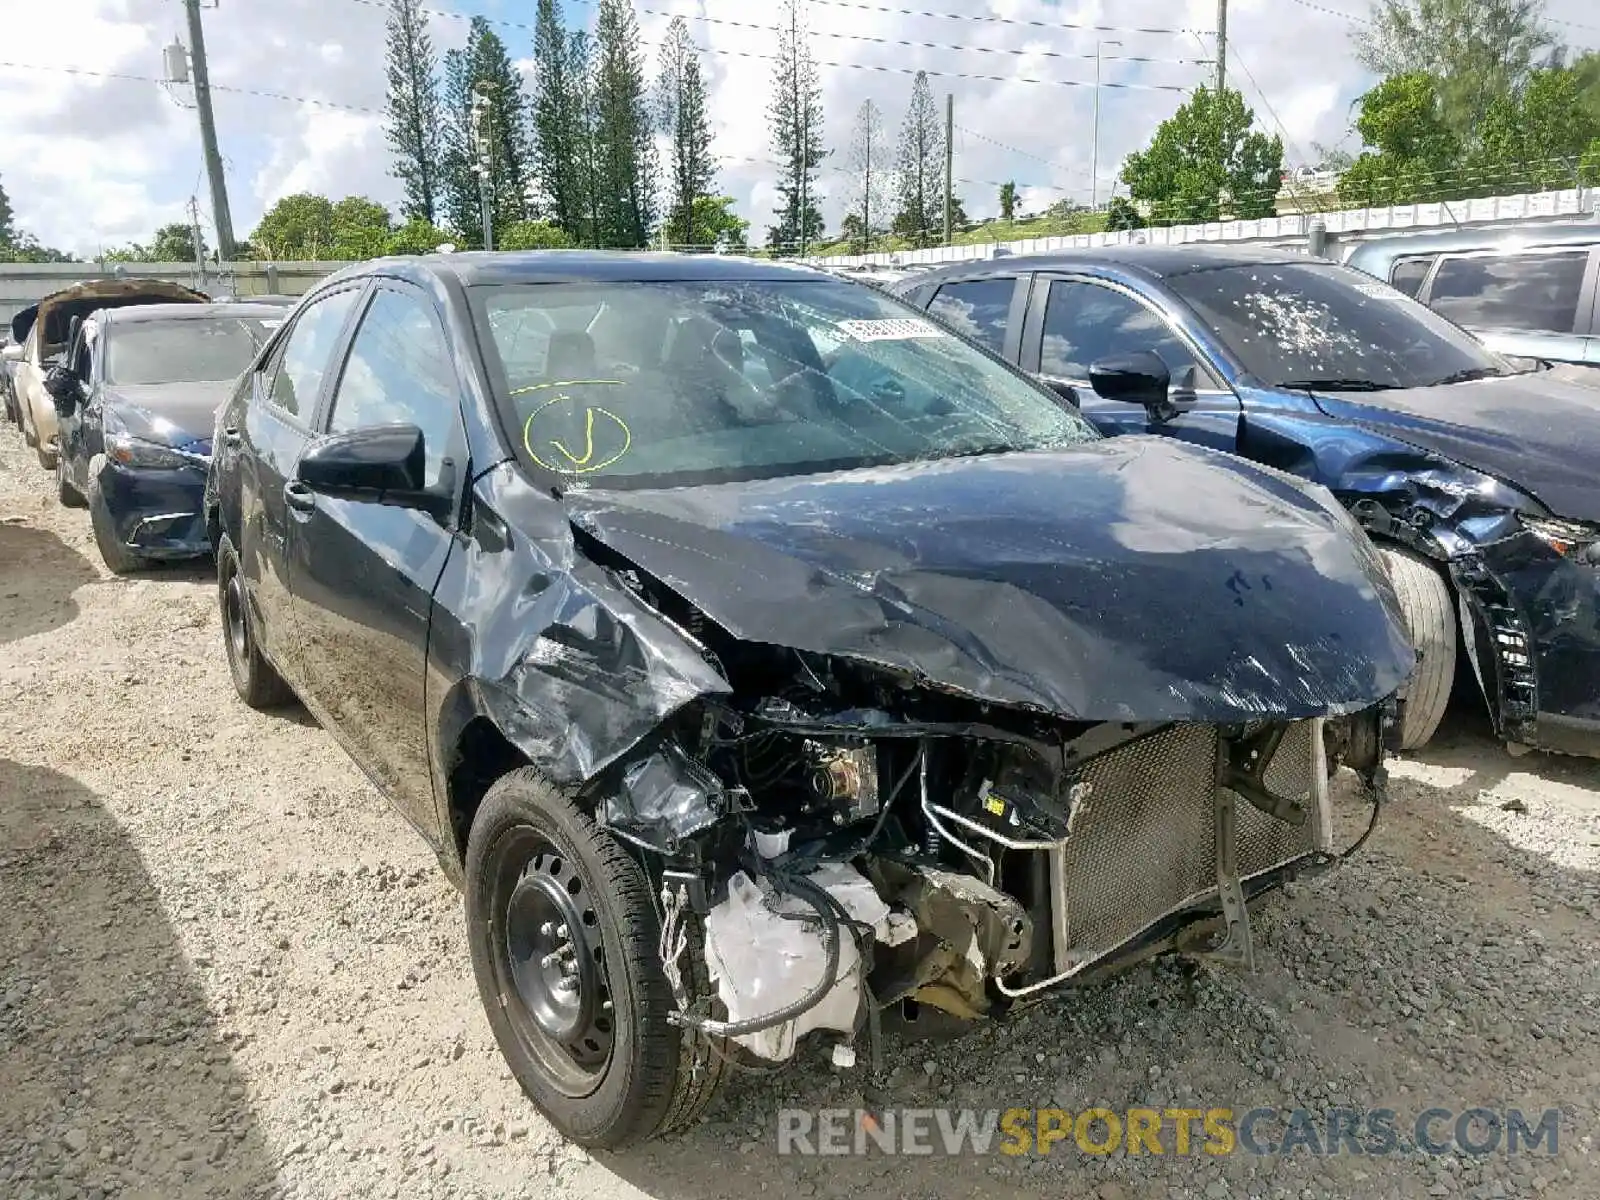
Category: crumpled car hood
<point>1539,431</point>
<point>1129,579</point>
<point>174,414</point>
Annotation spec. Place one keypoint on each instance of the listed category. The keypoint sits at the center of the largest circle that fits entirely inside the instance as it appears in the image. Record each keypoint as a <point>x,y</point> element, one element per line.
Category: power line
<point>1332,12</point>
<point>861,6</point>
<point>851,66</point>
<point>215,87</point>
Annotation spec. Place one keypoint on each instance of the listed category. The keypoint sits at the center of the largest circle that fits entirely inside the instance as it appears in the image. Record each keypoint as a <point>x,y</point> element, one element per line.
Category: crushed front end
<point>854,841</point>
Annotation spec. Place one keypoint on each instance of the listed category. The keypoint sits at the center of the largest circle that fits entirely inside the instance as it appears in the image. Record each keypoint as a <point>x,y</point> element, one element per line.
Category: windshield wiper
<point>1338,385</point>
<point>1468,375</point>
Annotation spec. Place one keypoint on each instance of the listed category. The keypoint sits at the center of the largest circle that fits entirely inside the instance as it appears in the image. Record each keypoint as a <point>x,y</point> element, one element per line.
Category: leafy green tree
<point>624,135</point>
<point>416,237</point>
<point>715,223</point>
<point>1534,140</point>
<point>868,164</point>
<point>1478,50</point>
<point>1121,214</point>
<point>175,243</point>
<point>8,225</point>
<point>1206,161</point>
<point>795,119</point>
<point>681,108</point>
<point>361,229</point>
<point>298,227</point>
<point>559,122</point>
<point>1008,201</point>
<point>919,208</point>
<point>1414,155</point>
<point>413,109</point>
<point>1589,165</point>
<point>535,235</point>
<point>481,74</point>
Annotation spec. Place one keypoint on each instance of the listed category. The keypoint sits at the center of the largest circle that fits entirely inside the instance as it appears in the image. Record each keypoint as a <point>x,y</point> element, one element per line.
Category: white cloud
<point>93,161</point>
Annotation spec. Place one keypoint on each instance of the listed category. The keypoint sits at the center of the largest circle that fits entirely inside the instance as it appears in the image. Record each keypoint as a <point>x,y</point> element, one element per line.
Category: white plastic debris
<point>844,1055</point>
<point>761,962</point>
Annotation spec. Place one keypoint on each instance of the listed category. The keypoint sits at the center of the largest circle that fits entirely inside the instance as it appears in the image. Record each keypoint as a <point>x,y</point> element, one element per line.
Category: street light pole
<point>1094,153</point>
<point>220,216</point>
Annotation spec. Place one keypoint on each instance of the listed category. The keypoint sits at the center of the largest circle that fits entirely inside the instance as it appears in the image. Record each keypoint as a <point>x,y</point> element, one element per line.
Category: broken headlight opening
<point>820,862</point>
<point>1575,540</point>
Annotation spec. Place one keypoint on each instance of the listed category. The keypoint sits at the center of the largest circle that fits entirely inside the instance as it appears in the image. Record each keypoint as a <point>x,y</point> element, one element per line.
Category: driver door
<point>1075,322</point>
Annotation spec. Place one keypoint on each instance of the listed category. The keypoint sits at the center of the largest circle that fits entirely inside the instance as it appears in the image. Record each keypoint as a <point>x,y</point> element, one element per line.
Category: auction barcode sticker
<point>892,330</point>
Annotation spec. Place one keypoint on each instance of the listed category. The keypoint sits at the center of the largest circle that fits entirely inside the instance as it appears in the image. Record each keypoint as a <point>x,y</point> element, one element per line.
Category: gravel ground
<point>227,969</point>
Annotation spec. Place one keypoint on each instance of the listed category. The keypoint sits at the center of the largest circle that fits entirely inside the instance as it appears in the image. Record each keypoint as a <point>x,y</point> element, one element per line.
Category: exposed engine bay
<point>852,840</point>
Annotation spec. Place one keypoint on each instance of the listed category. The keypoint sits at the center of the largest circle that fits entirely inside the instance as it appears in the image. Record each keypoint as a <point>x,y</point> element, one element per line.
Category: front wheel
<point>565,949</point>
<point>65,492</point>
<point>118,558</point>
<point>1430,619</point>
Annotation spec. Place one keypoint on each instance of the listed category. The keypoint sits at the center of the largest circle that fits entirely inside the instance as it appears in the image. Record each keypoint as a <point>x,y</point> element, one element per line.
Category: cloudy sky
<point>97,152</point>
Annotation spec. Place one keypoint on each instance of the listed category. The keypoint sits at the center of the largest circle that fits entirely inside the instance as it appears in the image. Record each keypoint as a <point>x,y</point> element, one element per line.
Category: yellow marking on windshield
<point>588,442</point>
<point>600,448</point>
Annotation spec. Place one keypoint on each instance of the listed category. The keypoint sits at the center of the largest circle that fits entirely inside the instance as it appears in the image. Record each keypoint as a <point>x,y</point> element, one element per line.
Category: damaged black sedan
<point>758,656</point>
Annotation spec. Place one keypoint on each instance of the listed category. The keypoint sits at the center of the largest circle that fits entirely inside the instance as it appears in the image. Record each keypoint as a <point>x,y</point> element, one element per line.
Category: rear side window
<point>977,309</point>
<point>1408,274</point>
<point>306,356</point>
<point>1536,291</point>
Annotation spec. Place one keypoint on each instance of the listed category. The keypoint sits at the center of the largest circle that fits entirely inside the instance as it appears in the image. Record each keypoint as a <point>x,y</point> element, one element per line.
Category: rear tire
<point>630,1075</point>
<point>1429,612</point>
<point>69,496</point>
<point>118,558</point>
<point>259,685</point>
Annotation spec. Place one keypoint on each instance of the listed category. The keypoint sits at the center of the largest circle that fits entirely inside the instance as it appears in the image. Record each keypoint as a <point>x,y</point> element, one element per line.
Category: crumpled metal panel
<point>1132,579</point>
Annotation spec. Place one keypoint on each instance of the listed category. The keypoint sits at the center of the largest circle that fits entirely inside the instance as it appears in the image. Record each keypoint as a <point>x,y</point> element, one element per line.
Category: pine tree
<point>624,135</point>
<point>681,110</point>
<point>483,68</point>
<point>413,103</point>
<point>797,136</point>
<point>8,226</point>
<point>920,201</point>
<point>587,164</point>
<point>869,169</point>
<point>558,118</point>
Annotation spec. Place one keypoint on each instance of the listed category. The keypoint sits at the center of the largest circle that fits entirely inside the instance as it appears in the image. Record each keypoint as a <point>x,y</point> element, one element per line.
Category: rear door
<point>362,574</point>
<point>1075,321</point>
<point>277,426</point>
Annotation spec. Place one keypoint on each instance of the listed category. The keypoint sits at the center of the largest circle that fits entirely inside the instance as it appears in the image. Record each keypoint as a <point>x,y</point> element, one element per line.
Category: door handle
<point>230,436</point>
<point>299,497</point>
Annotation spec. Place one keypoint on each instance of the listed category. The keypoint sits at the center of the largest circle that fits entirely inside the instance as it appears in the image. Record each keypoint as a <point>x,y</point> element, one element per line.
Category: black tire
<point>255,679</point>
<point>1429,612</point>
<point>118,558</point>
<point>69,496</point>
<point>530,842</point>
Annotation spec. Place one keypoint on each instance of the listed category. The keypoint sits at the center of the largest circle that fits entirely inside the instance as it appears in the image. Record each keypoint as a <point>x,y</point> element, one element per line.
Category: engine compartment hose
<point>824,905</point>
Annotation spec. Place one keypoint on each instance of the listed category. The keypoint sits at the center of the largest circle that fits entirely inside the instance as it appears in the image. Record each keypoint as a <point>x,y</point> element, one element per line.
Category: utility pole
<point>485,150</point>
<point>220,215</point>
<point>1222,46</point>
<point>199,244</point>
<point>949,162</point>
<point>1094,152</point>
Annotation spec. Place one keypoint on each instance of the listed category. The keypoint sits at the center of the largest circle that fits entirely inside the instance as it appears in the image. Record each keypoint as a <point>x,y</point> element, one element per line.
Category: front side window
<point>305,359</point>
<point>183,350</point>
<point>1321,325</point>
<point>977,309</point>
<point>662,384</point>
<point>1537,291</point>
<point>1084,323</point>
<point>399,373</point>
<point>1408,274</point>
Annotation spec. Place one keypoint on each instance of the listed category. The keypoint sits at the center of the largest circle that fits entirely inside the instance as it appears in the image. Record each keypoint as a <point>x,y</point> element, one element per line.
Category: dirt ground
<point>227,969</point>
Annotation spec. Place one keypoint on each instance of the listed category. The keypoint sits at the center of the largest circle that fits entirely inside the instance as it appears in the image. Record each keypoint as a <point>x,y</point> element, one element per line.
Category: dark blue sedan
<point>137,396</point>
<point>1476,475</point>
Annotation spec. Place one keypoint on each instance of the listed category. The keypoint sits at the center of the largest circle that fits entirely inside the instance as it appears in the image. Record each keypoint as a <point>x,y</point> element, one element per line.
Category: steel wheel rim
<point>233,616</point>
<point>550,959</point>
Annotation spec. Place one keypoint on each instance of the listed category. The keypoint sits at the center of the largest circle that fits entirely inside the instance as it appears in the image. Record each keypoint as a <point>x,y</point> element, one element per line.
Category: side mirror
<point>1137,378</point>
<point>384,464</point>
<point>63,388</point>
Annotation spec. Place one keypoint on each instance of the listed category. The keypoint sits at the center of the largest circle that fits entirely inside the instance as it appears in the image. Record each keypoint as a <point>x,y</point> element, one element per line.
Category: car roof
<point>1382,251</point>
<point>185,312</point>
<point>1155,262</point>
<point>477,267</point>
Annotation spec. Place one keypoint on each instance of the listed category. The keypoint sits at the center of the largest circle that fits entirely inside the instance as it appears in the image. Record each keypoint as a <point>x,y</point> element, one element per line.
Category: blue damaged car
<point>1477,476</point>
